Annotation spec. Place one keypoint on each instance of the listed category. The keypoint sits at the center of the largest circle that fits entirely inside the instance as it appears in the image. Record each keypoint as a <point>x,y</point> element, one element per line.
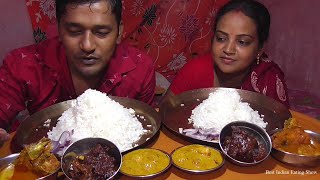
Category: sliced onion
<point>197,136</point>
<point>190,130</point>
<point>213,137</point>
<point>201,134</point>
<point>55,145</point>
<point>207,131</point>
<point>64,140</point>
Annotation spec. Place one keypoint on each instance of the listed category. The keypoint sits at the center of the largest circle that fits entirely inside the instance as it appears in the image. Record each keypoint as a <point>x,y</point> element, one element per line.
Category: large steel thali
<point>32,129</point>
<point>175,113</point>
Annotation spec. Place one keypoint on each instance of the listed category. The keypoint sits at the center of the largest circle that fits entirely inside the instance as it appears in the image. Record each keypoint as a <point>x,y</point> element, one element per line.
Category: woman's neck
<point>234,80</point>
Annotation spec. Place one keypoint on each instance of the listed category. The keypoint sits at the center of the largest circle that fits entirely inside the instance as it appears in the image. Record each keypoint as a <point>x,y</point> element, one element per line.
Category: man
<point>87,54</point>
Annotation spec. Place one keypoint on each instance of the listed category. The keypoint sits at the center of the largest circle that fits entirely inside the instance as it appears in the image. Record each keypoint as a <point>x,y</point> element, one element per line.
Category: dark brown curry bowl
<point>296,159</point>
<point>4,162</point>
<point>237,156</point>
<point>79,149</point>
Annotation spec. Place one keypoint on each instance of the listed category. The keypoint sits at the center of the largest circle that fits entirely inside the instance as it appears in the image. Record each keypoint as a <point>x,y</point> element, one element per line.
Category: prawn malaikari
<point>196,157</point>
<point>145,162</point>
<point>295,140</point>
<point>35,161</point>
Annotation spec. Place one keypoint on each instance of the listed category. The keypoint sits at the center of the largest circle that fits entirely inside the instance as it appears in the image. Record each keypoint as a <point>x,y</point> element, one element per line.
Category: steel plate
<point>32,129</point>
<point>175,113</point>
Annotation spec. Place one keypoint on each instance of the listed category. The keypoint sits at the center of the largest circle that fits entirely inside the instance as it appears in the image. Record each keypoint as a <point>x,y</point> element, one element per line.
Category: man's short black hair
<point>116,7</point>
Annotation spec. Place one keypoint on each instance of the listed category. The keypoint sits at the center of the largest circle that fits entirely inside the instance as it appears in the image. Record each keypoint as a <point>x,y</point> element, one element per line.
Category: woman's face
<point>235,45</point>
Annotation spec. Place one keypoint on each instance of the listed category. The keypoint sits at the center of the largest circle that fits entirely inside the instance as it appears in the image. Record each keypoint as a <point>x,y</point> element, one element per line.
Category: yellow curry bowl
<point>145,163</point>
<point>197,159</point>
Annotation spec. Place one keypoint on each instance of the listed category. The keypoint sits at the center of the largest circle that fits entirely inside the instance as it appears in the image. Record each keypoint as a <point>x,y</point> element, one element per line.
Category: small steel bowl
<point>257,132</point>
<point>82,147</point>
<point>200,151</point>
<point>4,162</point>
<point>136,158</point>
<point>296,159</point>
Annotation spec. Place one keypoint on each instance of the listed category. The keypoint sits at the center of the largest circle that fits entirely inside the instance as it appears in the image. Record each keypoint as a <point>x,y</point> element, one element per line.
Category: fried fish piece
<point>38,157</point>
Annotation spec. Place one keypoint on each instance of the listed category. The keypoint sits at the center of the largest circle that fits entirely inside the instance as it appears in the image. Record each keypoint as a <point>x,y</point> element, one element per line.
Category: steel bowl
<point>296,159</point>
<point>4,162</point>
<point>257,132</point>
<point>82,147</point>
<point>155,155</point>
<point>192,148</point>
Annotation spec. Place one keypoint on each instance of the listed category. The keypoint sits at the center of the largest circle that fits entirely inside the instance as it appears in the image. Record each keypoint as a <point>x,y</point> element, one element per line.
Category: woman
<point>237,61</point>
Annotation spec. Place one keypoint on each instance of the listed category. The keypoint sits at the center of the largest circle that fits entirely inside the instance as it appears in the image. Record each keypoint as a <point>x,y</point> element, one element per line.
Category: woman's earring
<point>258,59</point>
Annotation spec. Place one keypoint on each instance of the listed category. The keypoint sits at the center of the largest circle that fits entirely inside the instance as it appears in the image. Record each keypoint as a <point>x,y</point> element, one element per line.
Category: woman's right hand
<point>4,136</point>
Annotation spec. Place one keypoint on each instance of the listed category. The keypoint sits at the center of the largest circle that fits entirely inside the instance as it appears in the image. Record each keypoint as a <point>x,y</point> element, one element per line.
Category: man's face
<point>89,33</point>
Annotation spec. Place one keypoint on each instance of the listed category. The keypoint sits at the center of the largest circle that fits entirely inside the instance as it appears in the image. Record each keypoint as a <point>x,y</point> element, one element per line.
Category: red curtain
<point>170,31</point>
<point>43,18</point>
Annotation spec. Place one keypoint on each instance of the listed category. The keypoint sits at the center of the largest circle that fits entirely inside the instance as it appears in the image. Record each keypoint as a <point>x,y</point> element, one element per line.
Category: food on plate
<point>98,163</point>
<point>201,134</point>
<point>94,114</point>
<point>295,140</point>
<point>7,172</point>
<point>145,162</point>
<point>243,147</point>
<point>222,107</point>
<point>34,161</point>
<point>197,157</point>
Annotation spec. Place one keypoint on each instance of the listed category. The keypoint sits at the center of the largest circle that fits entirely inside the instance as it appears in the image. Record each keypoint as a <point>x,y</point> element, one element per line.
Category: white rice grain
<point>222,107</point>
<point>94,114</point>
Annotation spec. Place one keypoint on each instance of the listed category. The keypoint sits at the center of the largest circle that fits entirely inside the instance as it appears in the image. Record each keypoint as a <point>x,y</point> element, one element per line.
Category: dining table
<point>268,169</point>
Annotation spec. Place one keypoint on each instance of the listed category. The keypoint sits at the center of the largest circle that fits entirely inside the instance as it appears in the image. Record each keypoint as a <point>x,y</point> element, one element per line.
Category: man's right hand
<point>4,136</point>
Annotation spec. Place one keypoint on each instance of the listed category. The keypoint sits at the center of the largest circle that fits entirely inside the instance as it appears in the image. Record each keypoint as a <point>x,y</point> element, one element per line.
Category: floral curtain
<point>170,31</point>
<point>43,18</point>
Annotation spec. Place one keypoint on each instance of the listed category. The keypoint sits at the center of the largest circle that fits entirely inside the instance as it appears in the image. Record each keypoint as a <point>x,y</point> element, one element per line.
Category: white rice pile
<point>222,107</point>
<point>94,114</point>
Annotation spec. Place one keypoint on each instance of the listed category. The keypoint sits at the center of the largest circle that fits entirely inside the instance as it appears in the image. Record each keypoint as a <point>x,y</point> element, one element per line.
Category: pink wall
<point>15,26</point>
<point>294,41</point>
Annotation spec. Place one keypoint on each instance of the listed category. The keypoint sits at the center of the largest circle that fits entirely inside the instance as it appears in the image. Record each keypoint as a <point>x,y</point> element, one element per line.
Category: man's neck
<point>81,84</point>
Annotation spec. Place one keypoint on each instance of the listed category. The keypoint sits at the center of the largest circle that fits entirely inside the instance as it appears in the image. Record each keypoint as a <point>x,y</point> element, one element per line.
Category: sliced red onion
<point>213,136</point>
<point>55,146</point>
<point>197,136</point>
<point>207,131</point>
<point>201,134</point>
<point>64,140</point>
<point>190,130</point>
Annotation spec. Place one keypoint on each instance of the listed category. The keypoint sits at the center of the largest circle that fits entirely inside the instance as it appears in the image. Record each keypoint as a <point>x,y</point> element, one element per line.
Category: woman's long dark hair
<point>253,9</point>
